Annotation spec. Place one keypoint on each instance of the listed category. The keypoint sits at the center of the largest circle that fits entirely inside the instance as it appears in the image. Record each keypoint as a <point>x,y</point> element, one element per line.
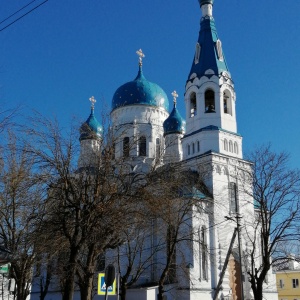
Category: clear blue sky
<point>59,55</point>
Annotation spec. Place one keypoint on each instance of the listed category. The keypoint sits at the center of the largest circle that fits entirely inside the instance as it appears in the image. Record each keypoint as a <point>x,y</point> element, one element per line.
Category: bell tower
<point>210,96</point>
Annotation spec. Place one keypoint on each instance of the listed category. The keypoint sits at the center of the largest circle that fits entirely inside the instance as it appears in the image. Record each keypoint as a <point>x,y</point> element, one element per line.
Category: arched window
<point>197,53</point>
<point>230,146</point>
<point>203,253</point>
<point>198,146</point>
<point>142,146</point>
<point>193,105</point>
<point>126,146</point>
<point>236,148</point>
<point>193,148</point>
<point>210,101</point>
<point>226,103</point>
<point>188,149</point>
<point>225,145</point>
<point>157,150</point>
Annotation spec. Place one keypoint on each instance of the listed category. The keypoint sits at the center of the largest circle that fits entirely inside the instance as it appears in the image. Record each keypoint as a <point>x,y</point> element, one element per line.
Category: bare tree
<point>47,267</point>
<point>136,254</point>
<point>7,118</point>
<point>276,190</point>
<point>21,212</point>
<point>89,206</point>
<point>98,207</point>
<point>173,202</point>
<point>153,245</point>
<point>43,272</point>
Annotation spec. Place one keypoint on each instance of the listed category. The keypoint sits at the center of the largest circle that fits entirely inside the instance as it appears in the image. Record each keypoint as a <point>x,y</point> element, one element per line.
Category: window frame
<point>209,101</point>
<point>226,145</point>
<point>235,148</point>
<point>126,150</point>
<point>142,146</point>
<point>203,252</point>
<point>295,283</point>
<point>193,104</point>
<point>281,283</point>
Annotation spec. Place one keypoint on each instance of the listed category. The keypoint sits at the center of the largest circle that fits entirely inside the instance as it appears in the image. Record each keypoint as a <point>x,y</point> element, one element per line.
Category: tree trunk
<point>258,295</point>
<point>86,280</point>
<point>161,282</point>
<point>69,285</point>
<point>70,271</point>
<point>86,289</point>
<point>123,291</point>
<point>160,292</point>
<point>22,292</point>
<point>44,286</point>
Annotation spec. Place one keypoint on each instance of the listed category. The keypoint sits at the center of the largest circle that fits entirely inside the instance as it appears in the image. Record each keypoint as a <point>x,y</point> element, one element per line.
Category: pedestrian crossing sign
<point>102,287</point>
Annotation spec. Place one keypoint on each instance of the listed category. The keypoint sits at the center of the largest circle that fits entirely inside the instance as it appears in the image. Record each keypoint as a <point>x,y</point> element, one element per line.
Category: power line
<point>16,12</point>
<point>23,15</point>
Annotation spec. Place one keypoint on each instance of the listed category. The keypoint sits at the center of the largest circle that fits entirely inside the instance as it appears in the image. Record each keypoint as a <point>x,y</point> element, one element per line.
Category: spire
<point>209,58</point>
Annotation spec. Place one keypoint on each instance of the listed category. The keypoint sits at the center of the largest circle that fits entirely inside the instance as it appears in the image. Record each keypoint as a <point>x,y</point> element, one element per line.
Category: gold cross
<point>93,101</point>
<point>141,55</point>
<point>175,96</point>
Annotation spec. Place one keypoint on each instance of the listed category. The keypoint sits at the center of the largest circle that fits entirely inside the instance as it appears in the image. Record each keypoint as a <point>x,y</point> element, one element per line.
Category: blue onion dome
<point>91,128</point>
<point>202,2</point>
<point>174,123</point>
<point>140,91</point>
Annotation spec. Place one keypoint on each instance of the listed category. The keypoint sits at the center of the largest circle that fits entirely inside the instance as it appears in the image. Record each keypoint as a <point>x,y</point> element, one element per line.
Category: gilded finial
<point>141,55</point>
<point>175,96</point>
<point>93,101</point>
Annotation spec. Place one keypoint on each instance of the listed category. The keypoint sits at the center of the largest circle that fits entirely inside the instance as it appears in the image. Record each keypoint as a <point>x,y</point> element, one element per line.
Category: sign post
<point>109,278</point>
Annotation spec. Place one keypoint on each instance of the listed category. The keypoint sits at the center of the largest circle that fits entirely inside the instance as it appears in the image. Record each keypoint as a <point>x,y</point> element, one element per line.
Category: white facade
<point>211,146</point>
<point>136,121</point>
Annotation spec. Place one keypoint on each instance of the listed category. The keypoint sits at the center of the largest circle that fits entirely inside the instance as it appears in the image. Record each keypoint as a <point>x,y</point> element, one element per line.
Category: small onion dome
<point>91,128</point>
<point>202,2</point>
<point>140,91</point>
<point>174,123</point>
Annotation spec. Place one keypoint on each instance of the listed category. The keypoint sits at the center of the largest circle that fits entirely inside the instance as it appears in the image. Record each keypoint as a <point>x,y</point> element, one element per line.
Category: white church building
<point>207,142</point>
